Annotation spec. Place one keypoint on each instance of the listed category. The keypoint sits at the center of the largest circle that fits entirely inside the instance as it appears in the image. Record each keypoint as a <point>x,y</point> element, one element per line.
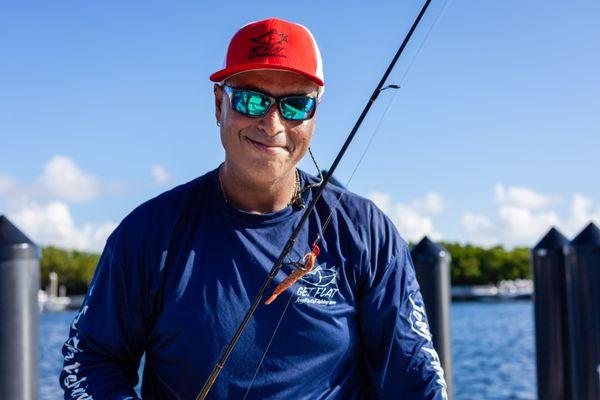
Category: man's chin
<point>266,169</point>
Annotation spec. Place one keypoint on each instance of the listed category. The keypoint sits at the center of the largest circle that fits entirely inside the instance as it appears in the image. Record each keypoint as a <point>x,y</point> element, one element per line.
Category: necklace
<point>296,199</point>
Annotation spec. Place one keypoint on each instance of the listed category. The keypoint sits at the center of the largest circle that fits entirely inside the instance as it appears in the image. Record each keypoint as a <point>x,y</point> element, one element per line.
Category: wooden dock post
<point>550,305</point>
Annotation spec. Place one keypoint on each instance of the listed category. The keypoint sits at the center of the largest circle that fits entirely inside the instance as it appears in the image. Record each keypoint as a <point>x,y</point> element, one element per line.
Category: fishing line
<point>379,123</point>
<point>334,208</point>
<point>268,345</point>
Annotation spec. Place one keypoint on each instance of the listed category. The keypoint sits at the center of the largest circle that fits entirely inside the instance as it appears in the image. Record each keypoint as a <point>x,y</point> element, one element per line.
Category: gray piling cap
<point>588,237</point>
<point>14,244</point>
<point>428,248</point>
<point>553,240</point>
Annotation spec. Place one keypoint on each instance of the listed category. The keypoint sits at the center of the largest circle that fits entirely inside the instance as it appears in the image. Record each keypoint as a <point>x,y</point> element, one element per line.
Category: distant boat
<point>475,292</point>
<point>504,290</point>
<point>55,299</point>
<point>52,304</point>
<point>517,289</point>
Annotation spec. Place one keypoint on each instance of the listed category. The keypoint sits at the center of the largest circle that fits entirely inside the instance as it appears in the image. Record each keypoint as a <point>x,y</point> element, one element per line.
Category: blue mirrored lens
<point>251,103</point>
<point>297,108</point>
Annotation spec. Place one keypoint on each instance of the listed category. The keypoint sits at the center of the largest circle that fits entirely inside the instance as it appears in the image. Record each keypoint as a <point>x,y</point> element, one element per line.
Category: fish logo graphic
<point>320,277</point>
<point>319,287</point>
<point>269,44</point>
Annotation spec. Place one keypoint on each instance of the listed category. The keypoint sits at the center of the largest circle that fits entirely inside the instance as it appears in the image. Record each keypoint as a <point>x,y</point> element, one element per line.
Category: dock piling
<point>19,323</point>
<point>551,330</point>
<point>582,265</point>
<point>432,266</point>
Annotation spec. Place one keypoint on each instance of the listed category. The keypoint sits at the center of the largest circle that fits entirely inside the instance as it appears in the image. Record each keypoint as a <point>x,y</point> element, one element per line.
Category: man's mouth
<point>271,149</point>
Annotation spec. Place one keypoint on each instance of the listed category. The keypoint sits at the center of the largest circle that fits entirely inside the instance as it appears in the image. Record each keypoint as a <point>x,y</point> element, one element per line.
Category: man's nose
<point>272,123</point>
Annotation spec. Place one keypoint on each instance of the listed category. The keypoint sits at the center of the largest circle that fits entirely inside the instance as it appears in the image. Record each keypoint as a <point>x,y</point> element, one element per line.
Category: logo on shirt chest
<point>319,287</point>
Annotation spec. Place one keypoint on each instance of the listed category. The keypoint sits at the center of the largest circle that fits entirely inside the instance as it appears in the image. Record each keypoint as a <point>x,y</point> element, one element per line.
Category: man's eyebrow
<point>252,87</point>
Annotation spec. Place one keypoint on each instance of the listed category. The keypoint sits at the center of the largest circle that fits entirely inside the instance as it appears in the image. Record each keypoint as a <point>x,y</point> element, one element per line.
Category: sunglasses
<point>257,104</point>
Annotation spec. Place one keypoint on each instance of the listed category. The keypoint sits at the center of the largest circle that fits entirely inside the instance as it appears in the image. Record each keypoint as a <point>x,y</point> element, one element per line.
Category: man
<point>178,273</point>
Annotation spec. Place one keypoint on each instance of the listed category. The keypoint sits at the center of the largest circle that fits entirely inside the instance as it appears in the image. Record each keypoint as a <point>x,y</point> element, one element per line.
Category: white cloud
<point>52,224</point>
<point>481,227</point>
<point>63,179</point>
<point>432,203</point>
<point>160,174</point>
<point>521,197</point>
<point>582,212</point>
<point>42,212</point>
<point>523,217</point>
<point>474,222</point>
<point>518,225</point>
<point>8,186</point>
<point>413,219</point>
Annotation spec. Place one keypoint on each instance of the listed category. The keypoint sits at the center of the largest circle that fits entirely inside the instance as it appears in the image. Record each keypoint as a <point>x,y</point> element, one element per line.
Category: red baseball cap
<point>273,44</point>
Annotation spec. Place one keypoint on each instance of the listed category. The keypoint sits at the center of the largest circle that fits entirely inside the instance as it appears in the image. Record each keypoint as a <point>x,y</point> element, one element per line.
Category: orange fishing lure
<point>308,262</point>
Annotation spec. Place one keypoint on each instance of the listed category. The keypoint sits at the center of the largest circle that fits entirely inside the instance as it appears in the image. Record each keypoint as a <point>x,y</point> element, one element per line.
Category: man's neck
<point>253,196</point>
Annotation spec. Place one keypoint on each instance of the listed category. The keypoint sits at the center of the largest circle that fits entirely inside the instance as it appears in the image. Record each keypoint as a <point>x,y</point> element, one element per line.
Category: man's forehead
<point>274,82</point>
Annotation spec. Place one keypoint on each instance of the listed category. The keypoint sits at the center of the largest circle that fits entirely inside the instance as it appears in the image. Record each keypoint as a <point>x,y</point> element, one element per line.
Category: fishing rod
<point>208,384</point>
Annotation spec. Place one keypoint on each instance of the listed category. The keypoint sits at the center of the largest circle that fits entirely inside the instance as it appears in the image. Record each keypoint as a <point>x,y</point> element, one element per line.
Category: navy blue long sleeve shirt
<point>178,274</point>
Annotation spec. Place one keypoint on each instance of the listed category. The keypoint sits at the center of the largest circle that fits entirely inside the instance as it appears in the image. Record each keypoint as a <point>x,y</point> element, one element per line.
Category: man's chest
<point>312,325</point>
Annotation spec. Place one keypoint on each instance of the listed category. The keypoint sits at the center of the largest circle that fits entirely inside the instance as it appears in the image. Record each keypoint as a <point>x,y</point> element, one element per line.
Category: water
<point>492,351</point>
<point>54,329</point>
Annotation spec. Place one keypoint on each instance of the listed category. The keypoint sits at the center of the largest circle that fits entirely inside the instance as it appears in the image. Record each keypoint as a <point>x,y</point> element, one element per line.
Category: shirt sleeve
<point>106,339</point>
<point>400,357</point>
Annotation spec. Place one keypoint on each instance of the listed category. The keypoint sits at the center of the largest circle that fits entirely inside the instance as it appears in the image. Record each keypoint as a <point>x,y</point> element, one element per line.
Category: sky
<point>493,138</point>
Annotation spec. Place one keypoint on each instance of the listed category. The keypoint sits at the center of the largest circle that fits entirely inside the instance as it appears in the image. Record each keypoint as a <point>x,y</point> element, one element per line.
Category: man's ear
<point>218,90</point>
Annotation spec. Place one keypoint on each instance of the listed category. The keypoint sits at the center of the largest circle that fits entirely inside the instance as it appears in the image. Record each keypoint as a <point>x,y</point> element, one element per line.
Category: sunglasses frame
<point>274,100</point>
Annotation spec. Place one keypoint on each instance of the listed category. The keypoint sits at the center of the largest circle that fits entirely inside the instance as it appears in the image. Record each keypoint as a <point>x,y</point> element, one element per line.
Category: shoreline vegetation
<point>471,265</point>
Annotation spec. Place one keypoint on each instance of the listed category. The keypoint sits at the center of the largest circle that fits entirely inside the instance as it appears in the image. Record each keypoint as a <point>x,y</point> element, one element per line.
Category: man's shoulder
<point>358,211</point>
<point>166,208</point>
<point>337,192</point>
